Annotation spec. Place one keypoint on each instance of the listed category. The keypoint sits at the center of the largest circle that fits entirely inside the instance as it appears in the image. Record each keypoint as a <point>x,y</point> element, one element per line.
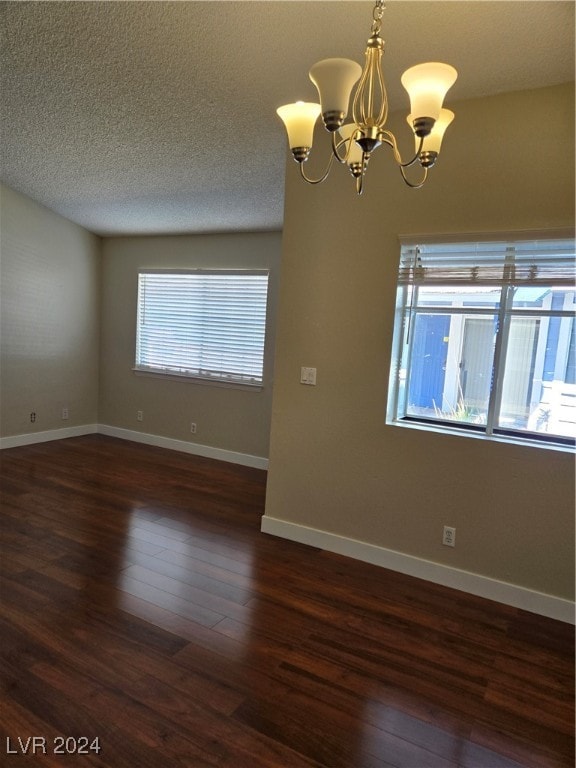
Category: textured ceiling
<point>159,117</point>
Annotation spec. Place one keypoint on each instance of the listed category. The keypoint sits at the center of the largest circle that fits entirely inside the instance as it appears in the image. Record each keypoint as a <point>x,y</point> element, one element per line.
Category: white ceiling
<point>159,117</point>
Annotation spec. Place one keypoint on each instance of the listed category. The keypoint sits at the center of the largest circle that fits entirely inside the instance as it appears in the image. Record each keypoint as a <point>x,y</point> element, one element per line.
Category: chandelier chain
<point>377,14</point>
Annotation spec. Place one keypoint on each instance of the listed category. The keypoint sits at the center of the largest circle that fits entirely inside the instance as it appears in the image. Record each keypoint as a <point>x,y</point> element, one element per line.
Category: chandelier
<point>354,142</point>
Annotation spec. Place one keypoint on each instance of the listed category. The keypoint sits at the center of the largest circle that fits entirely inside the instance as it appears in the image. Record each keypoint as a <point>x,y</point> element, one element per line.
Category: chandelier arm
<point>411,184</point>
<point>336,147</point>
<point>322,178</point>
<point>389,138</point>
<point>383,137</point>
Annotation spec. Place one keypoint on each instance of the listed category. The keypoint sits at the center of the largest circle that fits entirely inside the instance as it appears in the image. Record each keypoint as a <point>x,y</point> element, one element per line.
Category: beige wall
<point>49,303</point>
<point>508,164</point>
<point>230,419</point>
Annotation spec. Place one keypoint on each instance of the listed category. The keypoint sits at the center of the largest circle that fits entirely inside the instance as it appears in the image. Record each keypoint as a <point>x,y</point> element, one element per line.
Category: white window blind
<point>534,262</point>
<point>202,324</point>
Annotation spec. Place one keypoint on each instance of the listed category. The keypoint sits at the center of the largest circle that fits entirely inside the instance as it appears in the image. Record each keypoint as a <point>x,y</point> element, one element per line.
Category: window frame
<point>217,378</point>
<point>407,310</point>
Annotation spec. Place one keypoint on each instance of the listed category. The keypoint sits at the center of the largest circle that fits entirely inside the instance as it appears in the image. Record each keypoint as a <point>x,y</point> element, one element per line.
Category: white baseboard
<point>482,586</point>
<point>15,441</point>
<point>247,460</point>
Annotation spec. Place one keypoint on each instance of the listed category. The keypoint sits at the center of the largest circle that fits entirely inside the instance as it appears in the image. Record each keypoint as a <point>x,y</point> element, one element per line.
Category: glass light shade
<point>355,152</point>
<point>433,141</point>
<point>427,85</point>
<point>299,119</point>
<point>334,80</point>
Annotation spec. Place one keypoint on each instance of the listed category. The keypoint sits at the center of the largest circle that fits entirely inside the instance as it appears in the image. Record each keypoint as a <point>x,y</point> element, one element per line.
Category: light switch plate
<point>308,376</point>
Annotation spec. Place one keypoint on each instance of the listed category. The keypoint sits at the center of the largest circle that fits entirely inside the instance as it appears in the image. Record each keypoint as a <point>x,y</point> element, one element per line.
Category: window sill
<point>454,432</point>
<point>199,380</point>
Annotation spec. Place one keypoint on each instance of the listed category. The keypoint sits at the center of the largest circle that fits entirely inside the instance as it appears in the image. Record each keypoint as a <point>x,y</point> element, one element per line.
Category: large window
<point>485,339</point>
<point>202,324</point>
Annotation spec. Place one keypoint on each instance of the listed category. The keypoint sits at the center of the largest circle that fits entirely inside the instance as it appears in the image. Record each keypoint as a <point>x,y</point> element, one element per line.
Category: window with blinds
<point>202,324</point>
<point>485,339</point>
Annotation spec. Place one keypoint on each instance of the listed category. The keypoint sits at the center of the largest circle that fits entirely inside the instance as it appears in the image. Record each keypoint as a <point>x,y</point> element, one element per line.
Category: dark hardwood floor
<point>142,607</point>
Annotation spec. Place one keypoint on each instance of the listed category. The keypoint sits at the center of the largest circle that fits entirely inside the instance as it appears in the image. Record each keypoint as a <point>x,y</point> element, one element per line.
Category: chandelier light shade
<point>427,86</point>
<point>354,142</point>
<point>299,119</point>
<point>354,157</point>
<point>334,80</point>
<point>432,142</point>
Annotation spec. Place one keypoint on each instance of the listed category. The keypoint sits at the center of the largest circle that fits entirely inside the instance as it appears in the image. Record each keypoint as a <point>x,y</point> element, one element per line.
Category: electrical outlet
<point>193,427</point>
<point>139,415</point>
<point>33,416</point>
<point>449,536</point>
<point>65,414</point>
